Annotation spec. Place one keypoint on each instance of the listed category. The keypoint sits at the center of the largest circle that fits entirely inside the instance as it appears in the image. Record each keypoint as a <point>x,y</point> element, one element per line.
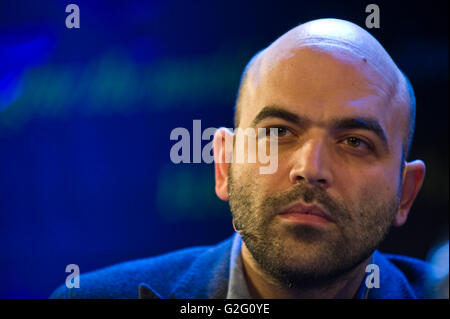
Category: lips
<point>304,209</point>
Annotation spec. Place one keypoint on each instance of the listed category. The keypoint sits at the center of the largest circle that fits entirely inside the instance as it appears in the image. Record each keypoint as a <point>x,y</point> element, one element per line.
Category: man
<point>344,117</point>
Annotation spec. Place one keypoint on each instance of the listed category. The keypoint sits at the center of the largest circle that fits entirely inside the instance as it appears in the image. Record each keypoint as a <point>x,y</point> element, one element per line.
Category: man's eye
<point>356,142</point>
<point>282,131</point>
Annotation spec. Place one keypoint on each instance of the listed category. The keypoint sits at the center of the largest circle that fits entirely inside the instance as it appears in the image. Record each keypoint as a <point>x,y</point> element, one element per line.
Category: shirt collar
<point>237,287</point>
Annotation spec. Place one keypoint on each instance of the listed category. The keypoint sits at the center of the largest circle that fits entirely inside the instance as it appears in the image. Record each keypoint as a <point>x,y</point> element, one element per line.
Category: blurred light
<point>438,278</point>
<point>116,83</point>
<point>15,60</point>
<point>10,89</point>
<point>187,193</point>
<point>439,259</point>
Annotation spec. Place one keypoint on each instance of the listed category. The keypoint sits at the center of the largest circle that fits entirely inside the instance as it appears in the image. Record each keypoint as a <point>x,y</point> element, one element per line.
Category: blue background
<point>86,115</point>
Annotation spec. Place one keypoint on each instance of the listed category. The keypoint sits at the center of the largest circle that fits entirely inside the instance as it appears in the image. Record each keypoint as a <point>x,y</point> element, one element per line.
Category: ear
<point>413,176</point>
<point>223,150</point>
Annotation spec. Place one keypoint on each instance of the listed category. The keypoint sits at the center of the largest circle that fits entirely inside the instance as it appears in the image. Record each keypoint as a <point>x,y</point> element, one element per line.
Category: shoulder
<point>415,270</point>
<point>122,280</point>
<point>404,277</point>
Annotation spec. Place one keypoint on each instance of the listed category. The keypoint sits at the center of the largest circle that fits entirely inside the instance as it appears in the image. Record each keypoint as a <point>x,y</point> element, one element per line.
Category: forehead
<point>323,82</point>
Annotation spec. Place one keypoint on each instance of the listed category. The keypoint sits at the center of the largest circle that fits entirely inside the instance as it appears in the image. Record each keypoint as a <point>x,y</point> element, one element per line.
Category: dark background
<point>86,114</point>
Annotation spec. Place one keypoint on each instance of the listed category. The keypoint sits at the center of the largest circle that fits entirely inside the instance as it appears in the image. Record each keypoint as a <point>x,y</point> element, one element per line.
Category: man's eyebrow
<point>361,123</point>
<point>277,112</point>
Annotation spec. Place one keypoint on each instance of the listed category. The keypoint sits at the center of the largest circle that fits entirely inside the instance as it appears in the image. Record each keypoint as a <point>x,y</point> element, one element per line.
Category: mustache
<point>307,193</point>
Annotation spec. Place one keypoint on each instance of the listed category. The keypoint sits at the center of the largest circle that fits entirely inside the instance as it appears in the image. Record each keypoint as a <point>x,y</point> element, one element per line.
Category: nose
<point>311,164</point>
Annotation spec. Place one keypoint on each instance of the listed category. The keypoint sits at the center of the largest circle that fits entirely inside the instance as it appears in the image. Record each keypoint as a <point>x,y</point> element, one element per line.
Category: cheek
<point>376,182</point>
<point>279,179</point>
<point>266,184</point>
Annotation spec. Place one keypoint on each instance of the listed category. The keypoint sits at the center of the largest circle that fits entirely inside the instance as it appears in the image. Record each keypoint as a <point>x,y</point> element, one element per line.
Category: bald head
<point>308,45</point>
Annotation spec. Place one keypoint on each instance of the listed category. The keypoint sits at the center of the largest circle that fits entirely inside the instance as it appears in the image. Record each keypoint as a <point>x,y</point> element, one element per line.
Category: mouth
<point>301,213</point>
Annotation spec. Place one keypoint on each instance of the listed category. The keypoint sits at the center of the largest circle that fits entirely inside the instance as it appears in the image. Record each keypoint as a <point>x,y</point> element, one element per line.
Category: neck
<point>263,286</point>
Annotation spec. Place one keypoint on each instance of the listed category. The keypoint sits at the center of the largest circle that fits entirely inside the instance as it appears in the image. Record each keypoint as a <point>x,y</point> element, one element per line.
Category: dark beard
<point>326,259</point>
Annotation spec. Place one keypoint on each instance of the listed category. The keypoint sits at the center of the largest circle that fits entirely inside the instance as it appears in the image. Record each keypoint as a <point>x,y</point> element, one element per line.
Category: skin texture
<point>324,72</point>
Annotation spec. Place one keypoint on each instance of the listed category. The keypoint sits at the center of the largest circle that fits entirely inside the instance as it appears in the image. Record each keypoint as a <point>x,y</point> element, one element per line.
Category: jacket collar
<point>208,276</point>
<point>393,283</point>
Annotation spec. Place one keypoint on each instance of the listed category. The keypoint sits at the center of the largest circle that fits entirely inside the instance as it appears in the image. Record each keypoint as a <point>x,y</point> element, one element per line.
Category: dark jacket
<point>202,272</point>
